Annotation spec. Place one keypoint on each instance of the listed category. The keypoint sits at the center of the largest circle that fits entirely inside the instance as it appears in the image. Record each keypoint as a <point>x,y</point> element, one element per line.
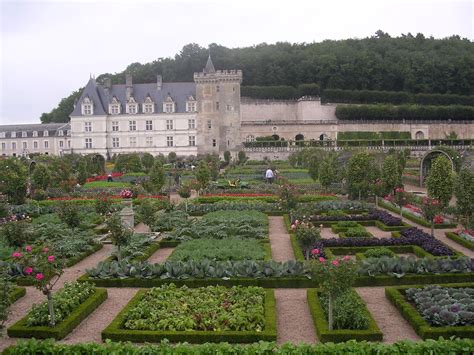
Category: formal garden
<point>143,254</point>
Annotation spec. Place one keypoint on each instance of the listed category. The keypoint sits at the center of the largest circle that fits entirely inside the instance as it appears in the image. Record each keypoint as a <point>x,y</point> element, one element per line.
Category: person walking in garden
<point>269,175</point>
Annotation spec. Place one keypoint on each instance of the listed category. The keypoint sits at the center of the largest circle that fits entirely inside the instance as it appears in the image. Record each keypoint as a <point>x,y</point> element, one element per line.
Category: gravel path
<point>90,328</point>
<point>160,255</point>
<point>393,326</point>
<point>280,240</point>
<point>378,233</point>
<point>327,233</point>
<point>142,228</point>
<point>294,321</point>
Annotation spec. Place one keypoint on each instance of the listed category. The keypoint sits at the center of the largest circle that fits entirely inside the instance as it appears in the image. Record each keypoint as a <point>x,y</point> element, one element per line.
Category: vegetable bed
<point>212,314</point>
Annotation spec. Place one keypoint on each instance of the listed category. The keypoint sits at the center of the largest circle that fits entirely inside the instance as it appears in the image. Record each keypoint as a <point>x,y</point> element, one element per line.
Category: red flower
<point>438,219</point>
<point>51,258</point>
<point>335,262</point>
<point>28,248</point>
<point>346,258</point>
<point>322,260</point>
<point>17,254</point>
<point>39,276</point>
<point>45,249</point>
<point>28,270</point>
<point>315,252</point>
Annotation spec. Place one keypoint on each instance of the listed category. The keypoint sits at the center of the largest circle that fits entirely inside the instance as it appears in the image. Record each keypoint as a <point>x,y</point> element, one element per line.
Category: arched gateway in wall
<point>426,161</point>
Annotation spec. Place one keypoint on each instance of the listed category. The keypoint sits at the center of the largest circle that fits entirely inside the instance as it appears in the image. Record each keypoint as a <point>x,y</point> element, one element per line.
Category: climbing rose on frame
<point>51,258</point>
<point>39,276</point>
<point>28,270</point>
<point>17,254</point>
<point>28,248</point>
<point>322,260</point>
<point>335,262</point>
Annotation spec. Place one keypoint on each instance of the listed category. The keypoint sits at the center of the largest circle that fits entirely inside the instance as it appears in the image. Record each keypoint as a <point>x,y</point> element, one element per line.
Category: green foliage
<point>288,197</point>
<point>328,171</point>
<point>349,311</point>
<point>464,192</point>
<point>166,221</point>
<point>172,157</point>
<point>157,179</point>
<point>146,212</point>
<point>16,233</point>
<point>213,308</point>
<point>103,205</point>
<point>281,92</point>
<point>227,157</point>
<point>13,178</point>
<point>128,163</point>
<point>119,235</point>
<point>440,180</point>
<point>63,110</point>
<point>306,235</point>
<point>65,301</point>
<point>241,157</point>
<point>203,174</point>
<point>69,214</point>
<point>391,173</point>
<point>5,292</point>
<point>410,112</point>
<point>361,135</point>
<point>221,249</point>
<point>361,174</point>
<point>61,173</point>
<point>147,161</point>
<point>41,177</point>
<point>357,232</point>
<point>135,248</point>
<point>82,173</point>
<point>379,252</point>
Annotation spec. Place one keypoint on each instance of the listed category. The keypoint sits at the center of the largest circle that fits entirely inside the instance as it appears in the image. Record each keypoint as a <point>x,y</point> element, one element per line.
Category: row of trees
<point>407,63</point>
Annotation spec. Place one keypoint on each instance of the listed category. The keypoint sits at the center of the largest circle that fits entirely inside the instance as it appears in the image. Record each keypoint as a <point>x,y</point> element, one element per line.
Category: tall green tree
<point>440,180</point>
<point>464,192</point>
<point>327,171</point>
<point>203,174</point>
<point>391,173</point>
<point>157,178</point>
<point>13,180</point>
<point>41,177</point>
<point>147,161</point>
<point>361,173</point>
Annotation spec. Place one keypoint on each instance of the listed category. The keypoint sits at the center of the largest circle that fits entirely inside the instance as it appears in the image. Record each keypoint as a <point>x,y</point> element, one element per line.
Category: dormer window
<point>2,134</point>
<point>132,106</point>
<point>60,133</point>
<point>45,133</point>
<point>35,134</point>
<point>13,135</point>
<point>114,106</point>
<point>87,107</point>
<point>169,105</point>
<point>191,105</point>
<point>148,105</point>
<point>23,134</point>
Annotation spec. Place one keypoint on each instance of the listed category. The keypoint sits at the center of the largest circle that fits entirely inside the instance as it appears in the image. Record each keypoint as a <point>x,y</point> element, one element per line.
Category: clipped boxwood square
<point>210,314</point>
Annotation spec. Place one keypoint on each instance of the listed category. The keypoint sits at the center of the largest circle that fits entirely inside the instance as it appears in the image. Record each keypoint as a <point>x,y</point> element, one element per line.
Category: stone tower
<point>218,119</point>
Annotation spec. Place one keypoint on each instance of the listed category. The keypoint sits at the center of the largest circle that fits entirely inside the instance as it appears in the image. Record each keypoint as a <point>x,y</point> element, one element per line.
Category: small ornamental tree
<point>44,269</point>
<point>391,174</point>
<point>5,289</point>
<point>203,175</point>
<point>431,208</point>
<point>241,157</point>
<point>185,192</point>
<point>119,235</point>
<point>306,235</point>
<point>148,161</point>
<point>327,171</point>
<point>16,233</point>
<point>103,205</point>
<point>41,177</point>
<point>440,180</point>
<point>288,197</point>
<point>401,198</point>
<point>69,214</point>
<point>464,192</point>
<point>82,173</point>
<point>361,173</point>
<point>334,278</point>
<point>227,157</point>
<point>146,211</point>
<point>157,179</point>
<point>13,180</point>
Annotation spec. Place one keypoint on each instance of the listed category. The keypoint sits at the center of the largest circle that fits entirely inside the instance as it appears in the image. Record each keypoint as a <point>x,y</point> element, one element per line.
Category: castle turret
<point>218,95</point>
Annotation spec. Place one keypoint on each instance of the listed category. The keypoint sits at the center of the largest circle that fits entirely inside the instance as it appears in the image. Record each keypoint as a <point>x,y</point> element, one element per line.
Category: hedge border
<point>115,332</point>
<point>20,330</point>
<point>415,249</point>
<point>373,333</point>
<point>456,238</point>
<point>16,293</point>
<point>415,219</point>
<point>294,243</point>
<point>396,295</point>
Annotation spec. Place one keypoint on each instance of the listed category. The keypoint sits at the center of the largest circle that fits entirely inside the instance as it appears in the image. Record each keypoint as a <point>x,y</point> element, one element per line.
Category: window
<point>192,141</point>
<point>148,108</point>
<point>149,141</point>
<point>191,106</point>
<point>209,124</point>
<point>35,145</point>
<point>132,109</point>
<point>114,109</point>
<point>115,126</point>
<point>88,126</point>
<point>132,125</point>
<point>217,105</point>
<point>87,109</point>
<point>25,145</point>
<point>214,143</point>
<point>2,134</point>
<point>13,135</point>
<point>68,132</point>
<point>115,142</point>
<point>23,134</point>
<point>230,108</point>
<point>218,88</point>
<point>169,107</point>
<point>45,133</point>
<point>149,125</point>
<point>13,145</point>
<point>69,144</point>
<point>60,133</point>
<point>4,146</point>
<point>233,88</point>
<point>61,144</point>
<point>250,138</point>
<point>191,124</point>
<point>46,144</point>
<point>35,134</point>
<point>133,141</point>
<point>169,141</point>
<point>88,143</point>
<point>169,124</point>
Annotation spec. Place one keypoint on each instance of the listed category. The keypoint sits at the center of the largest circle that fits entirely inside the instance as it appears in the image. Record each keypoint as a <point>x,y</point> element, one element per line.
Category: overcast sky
<point>49,48</point>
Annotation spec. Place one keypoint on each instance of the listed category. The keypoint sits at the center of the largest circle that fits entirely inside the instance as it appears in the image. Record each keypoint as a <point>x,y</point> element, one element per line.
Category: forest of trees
<point>414,64</point>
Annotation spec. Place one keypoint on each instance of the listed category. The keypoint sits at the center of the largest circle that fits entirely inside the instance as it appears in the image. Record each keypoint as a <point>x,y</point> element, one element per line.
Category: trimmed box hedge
<point>21,330</point>
<point>115,332</point>
<point>16,293</point>
<point>396,295</point>
<point>419,252</point>
<point>456,238</point>
<point>325,335</point>
<point>413,279</point>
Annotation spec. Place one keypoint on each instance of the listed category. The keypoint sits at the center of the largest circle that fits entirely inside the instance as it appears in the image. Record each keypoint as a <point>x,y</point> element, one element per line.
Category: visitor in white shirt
<point>269,175</point>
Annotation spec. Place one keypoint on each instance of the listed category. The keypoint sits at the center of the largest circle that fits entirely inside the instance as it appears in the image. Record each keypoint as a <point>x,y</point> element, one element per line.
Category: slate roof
<point>52,129</point>
<point>101,97</point>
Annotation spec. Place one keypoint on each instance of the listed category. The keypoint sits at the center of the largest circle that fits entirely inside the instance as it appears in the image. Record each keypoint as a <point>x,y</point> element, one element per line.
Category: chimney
<point>159,82</point>
<point>129,86</point>
<point>107,85</point>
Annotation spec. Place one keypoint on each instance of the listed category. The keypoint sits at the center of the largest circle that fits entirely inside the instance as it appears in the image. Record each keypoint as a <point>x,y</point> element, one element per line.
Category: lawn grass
<point>102,184</point>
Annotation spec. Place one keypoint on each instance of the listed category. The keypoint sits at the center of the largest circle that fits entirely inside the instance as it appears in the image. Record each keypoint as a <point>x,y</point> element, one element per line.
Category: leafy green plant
<point>212,308</point>
<point>221,249</point>
<point>135,246</point>
<point>5,289</point>
<point>69,214</point>
<point>166,221</point>
<point>103,205</point>
<point>379,252</point>
<point>440,180</point>
<point>118,233</point>
<point>16,233</point>
<point>357,232</point>
<point>146,212</point>
<point>306,235</point>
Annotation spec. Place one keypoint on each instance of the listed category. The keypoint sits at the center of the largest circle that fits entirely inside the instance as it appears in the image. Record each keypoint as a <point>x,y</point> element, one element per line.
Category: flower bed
<point>398,297</point>
<point>372,333</point>
<point>103,177</point>
<point>462,239</point>
<point>76,315</point>
<point>212,314</point>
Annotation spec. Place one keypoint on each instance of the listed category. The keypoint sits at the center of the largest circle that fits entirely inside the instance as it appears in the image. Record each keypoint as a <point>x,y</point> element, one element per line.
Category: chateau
<point>191,118</point>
